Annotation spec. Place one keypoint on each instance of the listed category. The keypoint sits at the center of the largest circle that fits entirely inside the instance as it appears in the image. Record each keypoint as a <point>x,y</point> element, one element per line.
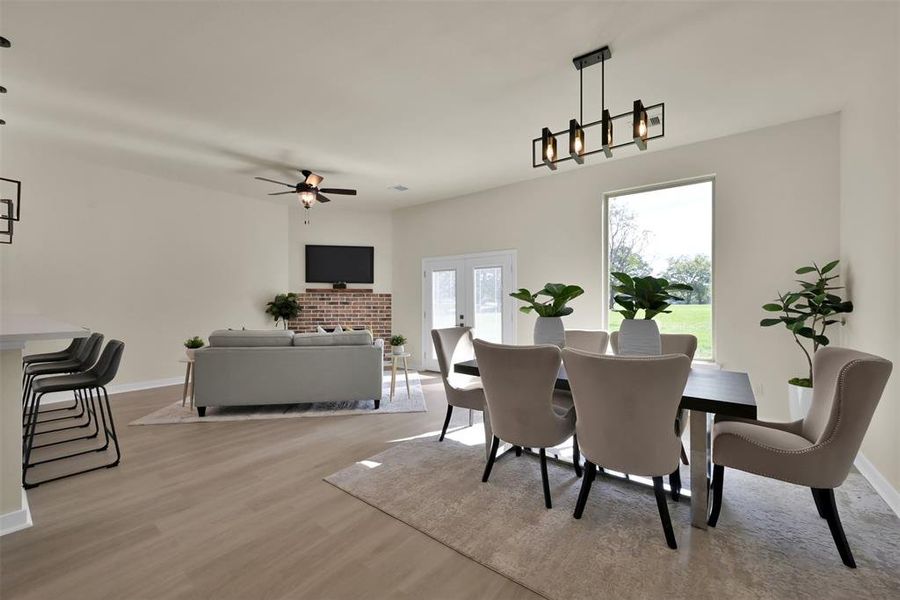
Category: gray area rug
<point>415,402</point>
<point>770,542</point>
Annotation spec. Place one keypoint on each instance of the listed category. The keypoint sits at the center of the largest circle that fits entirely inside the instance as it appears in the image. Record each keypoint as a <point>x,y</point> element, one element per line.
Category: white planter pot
<point>639,337</point>
<point>398,349</point>
<point>799,401</point>
<point>549,330</point>
<point>189,352</point>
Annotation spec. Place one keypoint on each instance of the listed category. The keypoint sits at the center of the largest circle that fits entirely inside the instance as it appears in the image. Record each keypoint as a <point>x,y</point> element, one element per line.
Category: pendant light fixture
<point>646,122</point>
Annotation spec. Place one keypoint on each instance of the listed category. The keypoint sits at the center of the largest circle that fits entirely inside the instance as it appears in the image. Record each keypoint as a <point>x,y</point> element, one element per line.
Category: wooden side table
<point>395,358</point>
<point>188,381</point>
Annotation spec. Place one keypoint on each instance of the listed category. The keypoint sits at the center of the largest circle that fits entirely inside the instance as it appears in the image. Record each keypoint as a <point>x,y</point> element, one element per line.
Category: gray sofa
<point>245,367</point>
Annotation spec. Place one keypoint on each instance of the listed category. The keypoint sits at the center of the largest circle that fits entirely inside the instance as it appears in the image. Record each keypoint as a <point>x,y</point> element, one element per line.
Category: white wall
<point>141,259</point>
<point>870,221</point>
<point>332,225</point>
<point>776,208</point>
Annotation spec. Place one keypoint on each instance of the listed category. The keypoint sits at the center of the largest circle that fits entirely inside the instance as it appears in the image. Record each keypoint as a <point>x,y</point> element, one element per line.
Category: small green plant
<point>807,312</point>
<point>194,343</point>
<point>650,294</point>
<point>559,295</point>
<point>284,308</point>
<point>398,339</point>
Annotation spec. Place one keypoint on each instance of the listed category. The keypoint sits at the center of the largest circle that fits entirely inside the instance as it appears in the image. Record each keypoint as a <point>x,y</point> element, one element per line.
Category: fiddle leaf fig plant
<point>558,295</point>
<point>650,294</point>
<point>808,312</point>
<point>284,308</point>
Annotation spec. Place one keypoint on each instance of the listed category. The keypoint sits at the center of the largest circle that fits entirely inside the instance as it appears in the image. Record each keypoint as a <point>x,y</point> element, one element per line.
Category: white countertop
<point>15,330</point>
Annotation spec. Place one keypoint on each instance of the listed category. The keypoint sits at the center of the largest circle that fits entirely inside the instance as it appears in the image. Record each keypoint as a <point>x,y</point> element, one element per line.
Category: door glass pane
<point>488,290</point>
<point>443,299</point>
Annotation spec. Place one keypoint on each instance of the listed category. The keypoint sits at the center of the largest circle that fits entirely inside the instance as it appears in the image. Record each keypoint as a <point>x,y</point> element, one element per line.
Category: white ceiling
<point>441,97</point>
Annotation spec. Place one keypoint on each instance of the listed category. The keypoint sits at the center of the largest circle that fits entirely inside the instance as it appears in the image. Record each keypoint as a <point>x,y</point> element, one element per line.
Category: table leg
<point>699,469</point>
<point>193,384</point>
<point>406,374</point>
<point>187,377</point>
<point>471,417</point>
<point>393,375</point>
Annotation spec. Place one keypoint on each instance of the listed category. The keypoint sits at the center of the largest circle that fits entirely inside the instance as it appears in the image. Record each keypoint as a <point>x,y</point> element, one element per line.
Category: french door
<point>470,290</point>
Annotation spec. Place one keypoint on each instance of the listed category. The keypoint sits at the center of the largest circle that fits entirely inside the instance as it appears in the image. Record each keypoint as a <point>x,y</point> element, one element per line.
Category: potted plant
<point>398,342</point>
<point>807,313</point>
<point>191,345</point>
<point>548,328</point>
<point>284,308</point>
<point>651,295</point>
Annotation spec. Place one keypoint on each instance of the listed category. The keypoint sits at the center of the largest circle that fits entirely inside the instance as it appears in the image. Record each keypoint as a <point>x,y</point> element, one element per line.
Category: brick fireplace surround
<point>358,308</point>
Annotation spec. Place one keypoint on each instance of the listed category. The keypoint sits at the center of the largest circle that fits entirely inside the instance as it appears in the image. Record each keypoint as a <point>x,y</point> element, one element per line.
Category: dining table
<point>709,391</point>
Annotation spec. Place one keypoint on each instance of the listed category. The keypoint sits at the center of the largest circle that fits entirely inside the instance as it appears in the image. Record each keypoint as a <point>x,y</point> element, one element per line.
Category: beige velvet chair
<point>454,345</point>
<point>524,408</point>
<point>587,340</point>
<point>816,452</point>
<point>672,343</point>
<point>626,407</point>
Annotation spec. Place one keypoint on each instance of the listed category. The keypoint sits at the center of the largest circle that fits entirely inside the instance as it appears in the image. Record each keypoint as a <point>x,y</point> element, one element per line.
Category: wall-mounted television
<point>340,264</point>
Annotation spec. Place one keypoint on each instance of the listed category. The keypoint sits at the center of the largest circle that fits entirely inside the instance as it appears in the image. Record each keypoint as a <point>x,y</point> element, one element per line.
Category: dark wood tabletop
<point>709,390</point>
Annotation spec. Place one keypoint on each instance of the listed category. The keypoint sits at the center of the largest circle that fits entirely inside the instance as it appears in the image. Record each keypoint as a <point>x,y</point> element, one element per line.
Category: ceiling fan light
<point>306,197</point>
<point>576,141</point>
<point>640,125</point>
<point>548,148</point>
<point>606,128</point>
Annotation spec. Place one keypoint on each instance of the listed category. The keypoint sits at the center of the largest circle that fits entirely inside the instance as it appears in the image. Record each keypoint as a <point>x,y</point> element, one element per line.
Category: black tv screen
<point>344,264</point>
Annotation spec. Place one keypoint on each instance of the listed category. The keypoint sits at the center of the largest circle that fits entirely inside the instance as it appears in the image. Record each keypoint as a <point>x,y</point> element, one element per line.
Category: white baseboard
<point>878,481</point>
<point>18,519</point>
<point>117,389</point>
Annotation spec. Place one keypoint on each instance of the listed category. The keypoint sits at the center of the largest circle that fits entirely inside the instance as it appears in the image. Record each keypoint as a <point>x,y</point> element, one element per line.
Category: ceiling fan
<point>308,191</point>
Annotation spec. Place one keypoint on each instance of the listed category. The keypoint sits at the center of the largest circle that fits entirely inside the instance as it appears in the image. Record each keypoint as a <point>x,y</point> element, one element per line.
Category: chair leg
<point>826,501</point>
<point>545,479</point>
<point>718,479</point>
<point>446,422</point>
<point>818,501</point>
<point>490,463</point>
<point>675,483</point>
<point>590,472</point>
<point>660,492</point>
<point>517,450</point>
<point>576,455</point>
<point>684,458</point>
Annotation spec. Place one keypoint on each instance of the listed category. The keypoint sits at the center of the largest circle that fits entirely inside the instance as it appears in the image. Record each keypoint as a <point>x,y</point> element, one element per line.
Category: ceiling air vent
<point>399,187</point>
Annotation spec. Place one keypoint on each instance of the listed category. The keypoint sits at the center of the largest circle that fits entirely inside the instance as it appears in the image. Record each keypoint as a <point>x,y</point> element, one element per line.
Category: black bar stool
<point>66,354</point>
<point>90,383</point>
<point>84,358</point>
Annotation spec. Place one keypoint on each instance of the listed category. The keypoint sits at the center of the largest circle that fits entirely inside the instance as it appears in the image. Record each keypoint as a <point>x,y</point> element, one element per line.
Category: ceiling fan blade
<point>322,198</point>
<point>291,185</point>
<point>311,178</point>
<point>339,191</point>
<point>280,193</point>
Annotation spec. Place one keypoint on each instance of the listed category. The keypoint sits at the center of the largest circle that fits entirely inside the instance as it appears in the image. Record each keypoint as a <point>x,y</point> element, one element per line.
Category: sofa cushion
<point>250,338</point>
<point>348,338</point>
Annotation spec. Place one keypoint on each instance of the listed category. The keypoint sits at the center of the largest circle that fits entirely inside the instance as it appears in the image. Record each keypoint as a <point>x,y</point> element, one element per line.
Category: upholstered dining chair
<point>626,406</point>
<point>588,340</point>
<point>672,343</point>
<point>453,345</point>
<point>524,408</point>
<point>817,451</point>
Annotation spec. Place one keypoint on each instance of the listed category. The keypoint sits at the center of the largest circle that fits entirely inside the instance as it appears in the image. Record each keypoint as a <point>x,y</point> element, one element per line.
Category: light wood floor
<point>235,510</point>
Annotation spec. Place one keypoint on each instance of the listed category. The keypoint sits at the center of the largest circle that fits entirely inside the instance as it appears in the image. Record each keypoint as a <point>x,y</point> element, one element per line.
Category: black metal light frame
<point>605,123</point>
<point>12,212</point>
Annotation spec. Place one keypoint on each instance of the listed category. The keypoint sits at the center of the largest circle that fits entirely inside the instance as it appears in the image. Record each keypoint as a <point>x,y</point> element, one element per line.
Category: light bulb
<point>642,128</point>
<point>578,146</point>
<point>549,152</point>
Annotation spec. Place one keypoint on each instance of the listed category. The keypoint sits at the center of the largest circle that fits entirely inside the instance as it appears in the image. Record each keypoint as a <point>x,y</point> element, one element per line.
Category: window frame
<point>604,263</point>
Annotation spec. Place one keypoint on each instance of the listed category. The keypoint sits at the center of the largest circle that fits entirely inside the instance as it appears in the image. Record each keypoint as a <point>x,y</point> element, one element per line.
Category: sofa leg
<point>377,404</point>
<point>201,411</point>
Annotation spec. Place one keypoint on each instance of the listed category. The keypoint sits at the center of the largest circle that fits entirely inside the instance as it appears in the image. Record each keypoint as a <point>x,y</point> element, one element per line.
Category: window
<point>666,232</point>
